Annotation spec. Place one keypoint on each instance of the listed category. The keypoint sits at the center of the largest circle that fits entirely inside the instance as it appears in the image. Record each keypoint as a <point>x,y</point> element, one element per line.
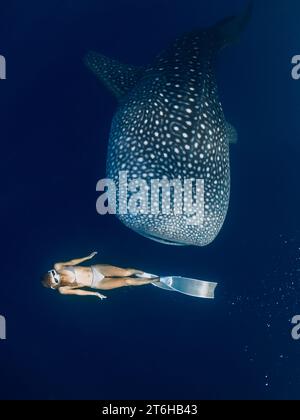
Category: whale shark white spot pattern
<point>170,123</point>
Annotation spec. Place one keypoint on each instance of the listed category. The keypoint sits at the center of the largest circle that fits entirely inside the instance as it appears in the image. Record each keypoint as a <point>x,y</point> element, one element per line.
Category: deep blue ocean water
<point>55,121</point>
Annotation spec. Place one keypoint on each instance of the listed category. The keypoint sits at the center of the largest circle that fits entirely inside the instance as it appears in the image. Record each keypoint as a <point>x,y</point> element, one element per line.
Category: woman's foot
<point>100,296</point>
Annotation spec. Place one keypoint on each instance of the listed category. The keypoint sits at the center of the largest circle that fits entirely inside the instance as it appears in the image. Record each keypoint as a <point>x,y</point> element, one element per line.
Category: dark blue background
<point>55,120</point>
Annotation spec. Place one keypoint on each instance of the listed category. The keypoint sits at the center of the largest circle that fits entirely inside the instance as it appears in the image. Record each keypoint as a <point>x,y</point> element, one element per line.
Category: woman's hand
<point>78,292</point>
<point>100,296</point>
<point>92,255</point>
<point>76,261</point>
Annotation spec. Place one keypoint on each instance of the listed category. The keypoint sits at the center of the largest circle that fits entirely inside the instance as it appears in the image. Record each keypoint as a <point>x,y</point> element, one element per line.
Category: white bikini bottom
<point>96,277</point>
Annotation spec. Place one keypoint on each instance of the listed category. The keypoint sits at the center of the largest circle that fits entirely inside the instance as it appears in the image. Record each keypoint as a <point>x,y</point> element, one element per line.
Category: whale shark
<point>170,124</point>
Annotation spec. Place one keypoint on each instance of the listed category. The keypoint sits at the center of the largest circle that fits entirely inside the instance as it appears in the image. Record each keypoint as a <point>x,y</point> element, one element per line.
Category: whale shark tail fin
<point>228,30</point>
<point>117,77</point>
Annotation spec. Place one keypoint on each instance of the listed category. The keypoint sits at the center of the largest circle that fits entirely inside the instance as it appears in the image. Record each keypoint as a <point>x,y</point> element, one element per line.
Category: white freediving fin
<point>191,287</point>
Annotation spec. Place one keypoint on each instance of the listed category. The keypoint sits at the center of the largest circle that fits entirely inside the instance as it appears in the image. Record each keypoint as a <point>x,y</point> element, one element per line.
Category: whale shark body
<point>170,124</point>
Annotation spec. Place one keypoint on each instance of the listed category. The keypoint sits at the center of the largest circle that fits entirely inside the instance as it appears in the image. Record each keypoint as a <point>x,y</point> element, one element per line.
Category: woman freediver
<point>69,278</point>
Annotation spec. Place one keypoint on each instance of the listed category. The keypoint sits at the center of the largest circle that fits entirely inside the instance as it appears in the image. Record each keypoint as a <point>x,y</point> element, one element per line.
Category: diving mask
<point>55,277</point>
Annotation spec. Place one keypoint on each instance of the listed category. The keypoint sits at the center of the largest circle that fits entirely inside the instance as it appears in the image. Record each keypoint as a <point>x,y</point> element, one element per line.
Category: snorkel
<point>55,277</point>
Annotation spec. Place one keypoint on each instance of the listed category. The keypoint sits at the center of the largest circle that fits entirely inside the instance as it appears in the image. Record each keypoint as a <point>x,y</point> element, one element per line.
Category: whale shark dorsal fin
<point>228,30</point>
<point>232,134</point>
<point>117,77</point>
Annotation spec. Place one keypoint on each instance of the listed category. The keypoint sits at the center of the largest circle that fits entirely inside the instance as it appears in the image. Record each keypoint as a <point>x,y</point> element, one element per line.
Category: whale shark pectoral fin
<point>117,77</point>
<point>232,134</point>
<point>228,30</point>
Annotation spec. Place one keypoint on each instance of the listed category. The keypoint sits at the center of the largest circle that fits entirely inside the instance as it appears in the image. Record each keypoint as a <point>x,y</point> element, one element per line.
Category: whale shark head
<point>170,129</point>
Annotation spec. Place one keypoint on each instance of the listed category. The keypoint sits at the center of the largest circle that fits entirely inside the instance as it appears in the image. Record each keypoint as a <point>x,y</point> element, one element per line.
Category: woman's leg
<point>116,283</point>
<point>112,271</point>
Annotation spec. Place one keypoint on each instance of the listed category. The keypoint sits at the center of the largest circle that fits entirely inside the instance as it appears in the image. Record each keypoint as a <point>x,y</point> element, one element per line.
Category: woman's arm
<point>75,261</point>
<point>78,292</point>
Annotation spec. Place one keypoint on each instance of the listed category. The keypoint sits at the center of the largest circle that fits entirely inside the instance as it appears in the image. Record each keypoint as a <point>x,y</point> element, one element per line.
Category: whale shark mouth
<point>162,241</point>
